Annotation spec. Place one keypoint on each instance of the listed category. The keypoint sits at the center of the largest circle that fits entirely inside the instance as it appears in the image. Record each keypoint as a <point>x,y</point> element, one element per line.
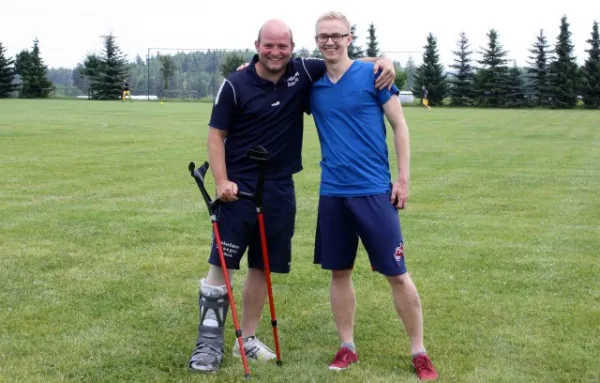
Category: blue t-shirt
<point>255,111</point>
<point>350,121</point>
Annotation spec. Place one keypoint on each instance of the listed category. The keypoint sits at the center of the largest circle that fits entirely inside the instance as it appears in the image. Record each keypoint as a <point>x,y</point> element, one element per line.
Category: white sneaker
<point>255,349</point>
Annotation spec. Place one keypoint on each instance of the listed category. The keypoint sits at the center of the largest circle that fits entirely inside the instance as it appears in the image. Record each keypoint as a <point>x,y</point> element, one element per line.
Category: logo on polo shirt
<point>291,81</point>
<point>275,103</point>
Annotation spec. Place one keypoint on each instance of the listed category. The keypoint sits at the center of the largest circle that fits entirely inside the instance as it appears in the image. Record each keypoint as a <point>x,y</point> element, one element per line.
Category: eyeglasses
<point>336,37</point>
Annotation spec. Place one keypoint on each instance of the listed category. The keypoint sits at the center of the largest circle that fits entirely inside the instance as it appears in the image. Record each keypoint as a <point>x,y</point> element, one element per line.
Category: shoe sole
<point>333,368</point>
<point>203,371</point>
<point>258,359</point>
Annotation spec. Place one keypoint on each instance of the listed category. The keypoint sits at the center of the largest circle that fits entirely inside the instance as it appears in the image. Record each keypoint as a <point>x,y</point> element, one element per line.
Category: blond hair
<point>333,15</point>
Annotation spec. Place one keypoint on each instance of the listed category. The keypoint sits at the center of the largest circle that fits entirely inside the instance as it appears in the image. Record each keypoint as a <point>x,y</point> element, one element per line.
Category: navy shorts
<point>343,220</point>
<point>238,227</point>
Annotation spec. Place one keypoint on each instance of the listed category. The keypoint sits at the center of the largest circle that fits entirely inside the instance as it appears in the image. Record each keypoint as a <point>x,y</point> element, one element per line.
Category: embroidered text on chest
<point>292,80</point>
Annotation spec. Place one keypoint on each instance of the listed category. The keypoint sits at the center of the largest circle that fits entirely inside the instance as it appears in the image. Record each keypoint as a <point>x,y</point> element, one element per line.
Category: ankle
<point>349,345</point>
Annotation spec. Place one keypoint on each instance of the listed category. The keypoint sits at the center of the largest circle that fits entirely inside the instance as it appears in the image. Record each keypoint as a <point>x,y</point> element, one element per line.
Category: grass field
<point>103,239</point>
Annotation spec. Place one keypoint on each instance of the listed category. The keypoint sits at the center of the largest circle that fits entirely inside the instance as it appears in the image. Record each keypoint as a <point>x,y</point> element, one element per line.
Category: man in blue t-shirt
<point>262,104</point>
<point>357,197</point>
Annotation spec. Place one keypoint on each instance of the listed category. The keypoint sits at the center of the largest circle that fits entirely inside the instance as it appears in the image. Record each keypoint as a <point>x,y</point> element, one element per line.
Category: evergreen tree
<point>461,90</point>
<point>372,49</point>
<point>7,74</point>
<point>431,74</point>
<point>410,69</point>
<point>92,71</point>
<point>538,71</point>
<point>491,79</point>
<point>591,72</point>
<point>400,80</point>
<point>80,81</point>
<point>230,64</point>
<point>355,51</point>
<point>316,54</point>
<point>515,90</point>
<point>564,70</point>
<point>34,81</point>
<point>167,68</point>
<point>112,71</point>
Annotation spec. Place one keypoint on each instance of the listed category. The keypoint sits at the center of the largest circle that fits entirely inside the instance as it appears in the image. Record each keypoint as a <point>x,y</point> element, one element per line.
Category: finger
<point>234,191</point>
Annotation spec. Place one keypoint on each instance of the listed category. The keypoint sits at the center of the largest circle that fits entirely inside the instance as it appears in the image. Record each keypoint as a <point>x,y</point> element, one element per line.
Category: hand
<point>388,73</point>
<point>399,194</point>
<point>227,191</point>
<point>244,65</point>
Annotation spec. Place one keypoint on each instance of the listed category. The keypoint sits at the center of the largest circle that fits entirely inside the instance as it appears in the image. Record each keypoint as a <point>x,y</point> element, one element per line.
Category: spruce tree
<point>461,89</point>
<point>92,70</point>
<point>167,67</point>
<point>515,90</point>
<point>34,81</point>
<point>7,74</point>
<point>372,49</point>
<point>112,71</point>
<point>564,70</point>
<point>492,76</point>
<point>538,71</point>
<point>355,51</point>
<point>431,74</point>
<point>591,72</point>
<point>229,65</point>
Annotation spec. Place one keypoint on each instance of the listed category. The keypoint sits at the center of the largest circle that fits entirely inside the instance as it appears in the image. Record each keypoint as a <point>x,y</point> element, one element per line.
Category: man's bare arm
<point>394,114</point>
<point>215,143</point>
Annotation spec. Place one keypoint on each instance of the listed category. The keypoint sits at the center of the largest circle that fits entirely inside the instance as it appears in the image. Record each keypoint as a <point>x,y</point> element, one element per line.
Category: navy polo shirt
<point>255,111</point>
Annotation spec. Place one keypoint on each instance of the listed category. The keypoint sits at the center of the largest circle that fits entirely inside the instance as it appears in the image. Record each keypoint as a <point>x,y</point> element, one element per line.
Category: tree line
<point>551,78</point>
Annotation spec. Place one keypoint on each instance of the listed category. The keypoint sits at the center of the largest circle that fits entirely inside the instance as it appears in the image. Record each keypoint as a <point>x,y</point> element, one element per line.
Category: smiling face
<point>333,38</point>
<point>274,46</point>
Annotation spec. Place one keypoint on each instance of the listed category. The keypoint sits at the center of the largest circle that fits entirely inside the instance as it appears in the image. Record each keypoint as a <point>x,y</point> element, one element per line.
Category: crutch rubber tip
<point>247,375</point>
<point>279,363</point>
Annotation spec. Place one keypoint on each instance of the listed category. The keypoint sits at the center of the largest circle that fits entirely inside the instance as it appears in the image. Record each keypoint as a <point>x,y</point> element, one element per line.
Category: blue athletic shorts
<point>343,220</point>
<point>238,227</point>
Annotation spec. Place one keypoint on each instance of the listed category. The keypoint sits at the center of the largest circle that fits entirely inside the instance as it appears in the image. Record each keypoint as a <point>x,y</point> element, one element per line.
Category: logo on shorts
<point>399,253</point>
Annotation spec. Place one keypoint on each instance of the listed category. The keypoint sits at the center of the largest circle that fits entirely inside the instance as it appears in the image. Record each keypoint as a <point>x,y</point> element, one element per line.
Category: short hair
<point>332,15</point>
<point>289,31</point>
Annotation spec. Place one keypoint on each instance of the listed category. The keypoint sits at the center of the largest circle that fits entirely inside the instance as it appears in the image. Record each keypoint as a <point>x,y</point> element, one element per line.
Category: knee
<point>399,280</point>
<point>338,275</point>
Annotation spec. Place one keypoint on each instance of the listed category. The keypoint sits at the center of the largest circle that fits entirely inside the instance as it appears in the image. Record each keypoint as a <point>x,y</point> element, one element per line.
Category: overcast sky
<point>68,29</point>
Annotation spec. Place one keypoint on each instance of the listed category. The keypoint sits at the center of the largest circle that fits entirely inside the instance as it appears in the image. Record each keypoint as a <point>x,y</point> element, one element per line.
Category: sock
<point>350,346</point>
<point>421,352</point>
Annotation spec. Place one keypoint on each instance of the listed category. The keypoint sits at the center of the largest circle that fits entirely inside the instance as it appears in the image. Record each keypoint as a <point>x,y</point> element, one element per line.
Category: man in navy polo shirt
<point>262,104</point>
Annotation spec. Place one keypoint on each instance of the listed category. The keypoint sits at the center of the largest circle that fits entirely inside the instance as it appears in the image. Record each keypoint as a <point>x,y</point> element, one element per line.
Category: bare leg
<point>343,304</point>
<point>408,307</point>
<point>254,295</point>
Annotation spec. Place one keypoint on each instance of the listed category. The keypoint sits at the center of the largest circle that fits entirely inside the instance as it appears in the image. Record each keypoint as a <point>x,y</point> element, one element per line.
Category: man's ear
<point>256,45</point>
<point>350,39</point>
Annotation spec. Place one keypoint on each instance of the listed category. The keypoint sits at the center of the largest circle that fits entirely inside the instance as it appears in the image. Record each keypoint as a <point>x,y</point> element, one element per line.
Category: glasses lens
<point>322,37</point>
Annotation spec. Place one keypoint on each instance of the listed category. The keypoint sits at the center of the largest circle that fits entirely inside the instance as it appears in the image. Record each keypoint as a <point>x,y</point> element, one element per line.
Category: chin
<point>275,69</point>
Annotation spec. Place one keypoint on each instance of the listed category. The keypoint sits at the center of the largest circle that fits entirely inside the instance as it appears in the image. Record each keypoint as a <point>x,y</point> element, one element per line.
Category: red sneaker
<point>424,368</point>
<point>343,359</point>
